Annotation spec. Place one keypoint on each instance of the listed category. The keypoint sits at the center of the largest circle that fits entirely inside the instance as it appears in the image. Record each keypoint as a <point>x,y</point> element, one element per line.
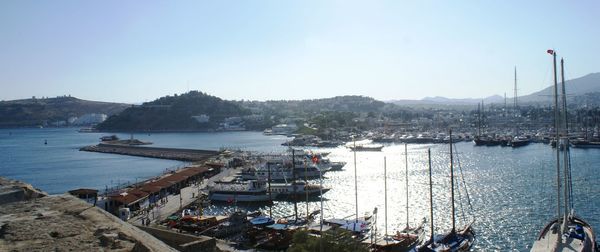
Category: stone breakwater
<point>187,155</point>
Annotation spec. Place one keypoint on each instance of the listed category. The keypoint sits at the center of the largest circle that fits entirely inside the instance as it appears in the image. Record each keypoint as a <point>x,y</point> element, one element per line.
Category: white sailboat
<point>566,232</point>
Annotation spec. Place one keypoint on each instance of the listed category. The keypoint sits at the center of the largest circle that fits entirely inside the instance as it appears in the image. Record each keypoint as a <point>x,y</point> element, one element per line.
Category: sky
<point>137,51</point>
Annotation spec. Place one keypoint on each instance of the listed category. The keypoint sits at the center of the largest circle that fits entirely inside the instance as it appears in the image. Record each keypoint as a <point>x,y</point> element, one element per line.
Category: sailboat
<point>518,140</point>
<point>566,232</point>
<point>359,226</point>
<point>455,240</point>
<point>407,238</point>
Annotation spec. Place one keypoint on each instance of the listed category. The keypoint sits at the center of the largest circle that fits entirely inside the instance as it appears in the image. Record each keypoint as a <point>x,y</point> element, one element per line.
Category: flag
<point>550,51</point>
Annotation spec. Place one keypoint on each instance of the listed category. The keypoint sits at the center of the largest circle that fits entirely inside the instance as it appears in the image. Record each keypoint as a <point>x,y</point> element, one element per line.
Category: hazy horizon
<point>135,52</point>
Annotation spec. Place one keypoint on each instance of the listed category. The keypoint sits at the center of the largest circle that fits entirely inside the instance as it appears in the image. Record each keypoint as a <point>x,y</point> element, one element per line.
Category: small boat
<point>519,141</point>
<point>109,138</point>
<point>337,166</point>
<point>297,190</point>
<point>366,147</point>
<point>262,221</point>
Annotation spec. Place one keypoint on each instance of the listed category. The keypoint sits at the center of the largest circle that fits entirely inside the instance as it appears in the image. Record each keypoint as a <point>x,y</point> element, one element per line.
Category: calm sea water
<point>512,191</point>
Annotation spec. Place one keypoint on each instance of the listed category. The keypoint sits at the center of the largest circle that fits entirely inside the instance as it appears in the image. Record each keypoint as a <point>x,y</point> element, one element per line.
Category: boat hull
<point>240,197</point>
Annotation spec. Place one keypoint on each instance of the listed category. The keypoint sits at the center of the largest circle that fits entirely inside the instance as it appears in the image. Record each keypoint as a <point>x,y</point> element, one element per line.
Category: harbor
<point>500,181</point>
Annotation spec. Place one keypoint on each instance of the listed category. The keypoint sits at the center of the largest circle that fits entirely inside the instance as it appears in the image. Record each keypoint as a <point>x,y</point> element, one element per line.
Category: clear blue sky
<point>135,51</point>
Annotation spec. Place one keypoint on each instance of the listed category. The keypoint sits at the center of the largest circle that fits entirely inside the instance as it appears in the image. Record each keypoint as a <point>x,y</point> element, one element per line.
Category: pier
<point>187,155</point>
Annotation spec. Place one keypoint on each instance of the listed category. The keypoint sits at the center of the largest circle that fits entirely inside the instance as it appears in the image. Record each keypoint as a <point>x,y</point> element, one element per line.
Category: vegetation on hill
<point>34,112</point>
<point>174,113</point>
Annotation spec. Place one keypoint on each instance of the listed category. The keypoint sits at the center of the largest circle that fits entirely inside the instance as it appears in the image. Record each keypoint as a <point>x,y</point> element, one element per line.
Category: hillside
<point>575,87</point>
<point>33,112</point>
<point>348,103</point>
<point>438,100</point>
<point>174,113</point>
<point>580,91</point>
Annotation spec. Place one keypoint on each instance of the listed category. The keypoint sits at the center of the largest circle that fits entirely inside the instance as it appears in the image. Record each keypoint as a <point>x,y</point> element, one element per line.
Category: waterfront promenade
<point>174,203</point>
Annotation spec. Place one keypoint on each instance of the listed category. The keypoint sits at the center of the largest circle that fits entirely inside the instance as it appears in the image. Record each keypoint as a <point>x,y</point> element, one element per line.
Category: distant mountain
<point>34,112</point>
<point>582,90</point>
<point>175,113</point>
<point>438,100</point>
<point>575,87</point>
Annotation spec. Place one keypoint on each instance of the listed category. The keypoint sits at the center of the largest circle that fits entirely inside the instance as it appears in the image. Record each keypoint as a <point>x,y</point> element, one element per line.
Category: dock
<point>186,155</point>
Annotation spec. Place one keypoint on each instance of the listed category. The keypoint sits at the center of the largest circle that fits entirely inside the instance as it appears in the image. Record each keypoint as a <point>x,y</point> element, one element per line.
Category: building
<point>90,119</point>
<point>203,118</point>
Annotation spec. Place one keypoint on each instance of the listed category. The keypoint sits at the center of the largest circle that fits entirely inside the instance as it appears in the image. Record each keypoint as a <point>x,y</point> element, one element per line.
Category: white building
<point>201,118</point>
<point>89,119</point>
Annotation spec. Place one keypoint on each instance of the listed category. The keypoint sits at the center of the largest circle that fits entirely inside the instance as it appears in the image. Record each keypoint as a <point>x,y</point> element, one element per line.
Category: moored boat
<point>248,191</point>
<point>366,148</point>
<point>457,239</point>
<point>566,231</point>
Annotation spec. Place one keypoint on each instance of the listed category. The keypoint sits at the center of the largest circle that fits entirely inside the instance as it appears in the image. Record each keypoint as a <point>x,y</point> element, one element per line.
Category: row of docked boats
<point>279,177</point>
<point>421,138</point>
<point>504,141</point>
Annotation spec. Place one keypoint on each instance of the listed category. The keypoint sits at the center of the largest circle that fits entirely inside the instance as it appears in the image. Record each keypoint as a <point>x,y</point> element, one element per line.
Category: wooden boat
<point>566,232</point>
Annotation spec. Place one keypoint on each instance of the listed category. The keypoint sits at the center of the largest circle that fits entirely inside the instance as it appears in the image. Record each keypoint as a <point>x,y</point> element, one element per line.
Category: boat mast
<point>270,196</point>
<point>293,183</point>
<point>517,111</point>
<point>515,101</point>
<point>385,192</point>
<point>556,127</point>
<point>566,139</point>
<point>452,184</point>
<point>406,174</point>
<point>306,184</point>
<point>430,198</point>
<point>355,184</point>
<point>479,119</point>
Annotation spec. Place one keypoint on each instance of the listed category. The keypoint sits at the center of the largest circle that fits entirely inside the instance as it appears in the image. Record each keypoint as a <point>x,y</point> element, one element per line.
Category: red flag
<point>550,51</point>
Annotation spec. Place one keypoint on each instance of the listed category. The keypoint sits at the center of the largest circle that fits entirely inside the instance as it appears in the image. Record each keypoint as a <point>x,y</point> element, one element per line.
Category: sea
<point>508,194</point>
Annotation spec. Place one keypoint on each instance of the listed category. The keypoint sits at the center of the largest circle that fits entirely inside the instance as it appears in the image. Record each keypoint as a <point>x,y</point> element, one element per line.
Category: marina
<point>501,181</point>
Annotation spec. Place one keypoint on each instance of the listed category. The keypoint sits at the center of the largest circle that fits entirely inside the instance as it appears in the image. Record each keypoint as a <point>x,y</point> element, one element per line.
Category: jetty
<point>187,155</point>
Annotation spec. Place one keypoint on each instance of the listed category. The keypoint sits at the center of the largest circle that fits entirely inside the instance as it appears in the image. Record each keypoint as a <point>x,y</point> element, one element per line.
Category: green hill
<point>34,112</point>
<point>174,113</point>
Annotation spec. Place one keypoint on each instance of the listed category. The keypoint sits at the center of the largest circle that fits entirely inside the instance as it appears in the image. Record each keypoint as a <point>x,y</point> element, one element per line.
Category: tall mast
<point>478,119</point>
<point>566,139</point>
<point>270,195</point>
<point>355,185</point>
<point>504,104</point>
<point>293,183</point>
<point>385,192</point>
<point>452,183</point>
<point>430,197</point>
<point>556,127</point>
<point>564,97</point>
<point>406,175</point>
<point>516,103</point>
<point>482,113</point>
